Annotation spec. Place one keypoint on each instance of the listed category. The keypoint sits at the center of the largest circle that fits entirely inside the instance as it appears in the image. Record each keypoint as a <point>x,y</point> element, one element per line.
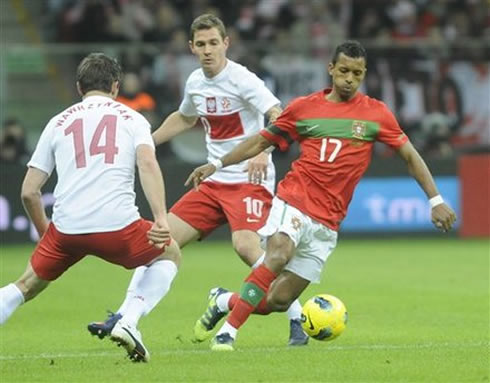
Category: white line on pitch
<point>264,349</point>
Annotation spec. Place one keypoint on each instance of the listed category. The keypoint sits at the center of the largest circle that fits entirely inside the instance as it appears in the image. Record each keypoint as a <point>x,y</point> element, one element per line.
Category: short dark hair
<point>207,21</point>
<point>349,48</point>
<point>98,71</point>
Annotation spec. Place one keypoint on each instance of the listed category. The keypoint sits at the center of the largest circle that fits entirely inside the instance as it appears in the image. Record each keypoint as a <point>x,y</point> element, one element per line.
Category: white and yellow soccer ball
<point>324,317</point>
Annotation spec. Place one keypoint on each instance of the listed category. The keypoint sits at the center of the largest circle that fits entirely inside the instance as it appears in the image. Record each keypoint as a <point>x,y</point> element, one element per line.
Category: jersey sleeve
<point>43,156</point>
<point>390,132</point>
<point>283,132</point>
<point>254,91</point>
<point>142,133</point>
<point>187,107</point>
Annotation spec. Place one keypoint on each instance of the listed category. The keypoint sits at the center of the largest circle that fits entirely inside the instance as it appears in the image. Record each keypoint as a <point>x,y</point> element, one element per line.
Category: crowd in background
<point>268,20</point>
<point>441,101</point>
<point>13,142</point>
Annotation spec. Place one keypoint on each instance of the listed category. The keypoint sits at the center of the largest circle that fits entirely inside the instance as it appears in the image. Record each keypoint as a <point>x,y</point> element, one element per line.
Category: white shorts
<point>314,241</point>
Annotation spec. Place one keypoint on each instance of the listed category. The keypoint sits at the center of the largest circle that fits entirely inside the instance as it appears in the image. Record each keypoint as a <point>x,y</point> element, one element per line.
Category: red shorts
<point>244,206</point>
<point>128,247</point>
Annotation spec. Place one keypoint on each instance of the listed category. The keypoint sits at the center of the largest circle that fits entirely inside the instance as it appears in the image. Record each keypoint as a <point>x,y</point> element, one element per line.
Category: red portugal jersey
<point>336,142</point>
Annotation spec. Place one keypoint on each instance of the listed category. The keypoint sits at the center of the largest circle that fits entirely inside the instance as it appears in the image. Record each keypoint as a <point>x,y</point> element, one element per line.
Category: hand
<point>200,174</point>
<point>159,234</point>
<point>443,217</point>
<point>257,168</point>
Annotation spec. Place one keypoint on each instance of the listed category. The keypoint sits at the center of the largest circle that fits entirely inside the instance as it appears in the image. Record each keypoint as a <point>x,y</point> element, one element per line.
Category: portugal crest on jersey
<point>211,104</point>
<point>296,223</point>
<point>358,129</point>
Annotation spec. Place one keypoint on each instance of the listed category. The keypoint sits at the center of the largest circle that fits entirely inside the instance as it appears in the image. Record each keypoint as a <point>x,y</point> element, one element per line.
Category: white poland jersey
<point>231,107</point>
<point>93,145</point>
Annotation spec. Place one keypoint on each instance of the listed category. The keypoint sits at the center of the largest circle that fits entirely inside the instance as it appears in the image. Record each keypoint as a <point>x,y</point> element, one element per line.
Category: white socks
<point>229,329</point>
<point>294,311</point>
<point>10,298</point>
<point>135,280</point>
<point>148,286</point>
<point>222,302</point>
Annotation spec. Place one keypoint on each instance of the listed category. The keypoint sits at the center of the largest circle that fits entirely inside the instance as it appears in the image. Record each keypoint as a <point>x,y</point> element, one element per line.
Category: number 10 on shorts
<point>253,206</point>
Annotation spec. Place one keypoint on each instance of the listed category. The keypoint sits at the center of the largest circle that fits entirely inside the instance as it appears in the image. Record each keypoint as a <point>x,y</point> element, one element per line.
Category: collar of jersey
<point>326,91</point>
<point>96,97</point>
<point>220,74</point>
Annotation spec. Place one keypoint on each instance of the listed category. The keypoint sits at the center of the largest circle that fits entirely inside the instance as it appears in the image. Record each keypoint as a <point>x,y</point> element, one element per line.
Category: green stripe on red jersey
<point>339,128</point>
<point>279,132</point>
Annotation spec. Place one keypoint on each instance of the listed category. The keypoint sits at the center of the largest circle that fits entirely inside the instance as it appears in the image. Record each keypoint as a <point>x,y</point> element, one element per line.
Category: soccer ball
<point>324,317</point>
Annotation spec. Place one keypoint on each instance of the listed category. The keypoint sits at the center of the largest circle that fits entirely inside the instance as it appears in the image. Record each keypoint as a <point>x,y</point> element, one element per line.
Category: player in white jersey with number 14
<point>230,102</point>
<point>94,146</point>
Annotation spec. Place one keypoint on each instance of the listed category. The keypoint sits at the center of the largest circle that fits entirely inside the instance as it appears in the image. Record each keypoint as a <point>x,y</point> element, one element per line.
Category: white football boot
<point>130,338</point>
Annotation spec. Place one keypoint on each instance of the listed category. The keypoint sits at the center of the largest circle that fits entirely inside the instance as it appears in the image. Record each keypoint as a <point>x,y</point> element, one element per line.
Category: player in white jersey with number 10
<point>94,146</point>
<point>230,102</point>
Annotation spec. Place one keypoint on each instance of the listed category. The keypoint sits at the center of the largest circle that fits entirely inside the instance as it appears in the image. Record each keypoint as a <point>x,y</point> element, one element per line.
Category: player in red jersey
<point>336,129</point>
<point>95,145</point>
<point>230,101</point>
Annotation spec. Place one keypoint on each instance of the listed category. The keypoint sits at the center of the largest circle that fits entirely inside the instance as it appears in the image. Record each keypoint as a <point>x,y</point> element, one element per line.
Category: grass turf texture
<point>418,312</point>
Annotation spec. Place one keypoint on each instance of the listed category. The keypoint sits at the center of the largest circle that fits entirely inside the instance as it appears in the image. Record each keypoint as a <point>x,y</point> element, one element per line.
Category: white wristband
<point>217,164</point>
<point>434,201</point>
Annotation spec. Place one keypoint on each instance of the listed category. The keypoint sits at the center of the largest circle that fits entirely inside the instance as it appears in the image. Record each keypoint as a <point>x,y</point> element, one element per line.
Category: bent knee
<point>277,261</point>
<point>172,252</point>
<point>278,303</point>
<point>280,243</point>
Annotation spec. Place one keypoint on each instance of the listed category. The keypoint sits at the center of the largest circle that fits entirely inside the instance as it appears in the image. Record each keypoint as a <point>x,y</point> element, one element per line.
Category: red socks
<point>252,294</point>
<point>261,309</point>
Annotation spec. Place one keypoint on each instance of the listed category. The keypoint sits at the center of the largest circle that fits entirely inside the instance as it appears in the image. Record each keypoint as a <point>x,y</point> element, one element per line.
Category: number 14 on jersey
<point>106,125</point>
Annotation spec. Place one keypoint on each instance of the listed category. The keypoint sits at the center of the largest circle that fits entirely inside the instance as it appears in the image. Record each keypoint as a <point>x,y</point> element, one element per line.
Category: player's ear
<point>191,46</point>
<point>226,42</point>
<point>115,88</point>
<point>330,68</point>
<point>79,89</point>
<point>365,68</point>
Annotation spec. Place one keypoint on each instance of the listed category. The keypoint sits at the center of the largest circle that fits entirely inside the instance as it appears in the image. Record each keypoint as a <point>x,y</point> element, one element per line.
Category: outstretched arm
<point>31,198</point>
<point>153,186</point>
<point>247,149</point>
<point>173,125</point>
<point>257,166</point>
<point>443,217</point>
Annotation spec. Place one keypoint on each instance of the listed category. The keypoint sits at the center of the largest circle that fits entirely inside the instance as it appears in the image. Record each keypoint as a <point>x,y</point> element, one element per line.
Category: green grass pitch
<point>418,312</point>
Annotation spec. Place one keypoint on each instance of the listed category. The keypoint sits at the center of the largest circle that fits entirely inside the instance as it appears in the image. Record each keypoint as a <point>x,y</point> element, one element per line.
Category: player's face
<point>347,75</point>
<point>210,48</point>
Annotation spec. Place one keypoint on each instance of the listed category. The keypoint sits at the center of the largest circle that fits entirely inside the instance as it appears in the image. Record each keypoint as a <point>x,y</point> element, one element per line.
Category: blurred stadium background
<point>429,60</point>
<point>418,307</point>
